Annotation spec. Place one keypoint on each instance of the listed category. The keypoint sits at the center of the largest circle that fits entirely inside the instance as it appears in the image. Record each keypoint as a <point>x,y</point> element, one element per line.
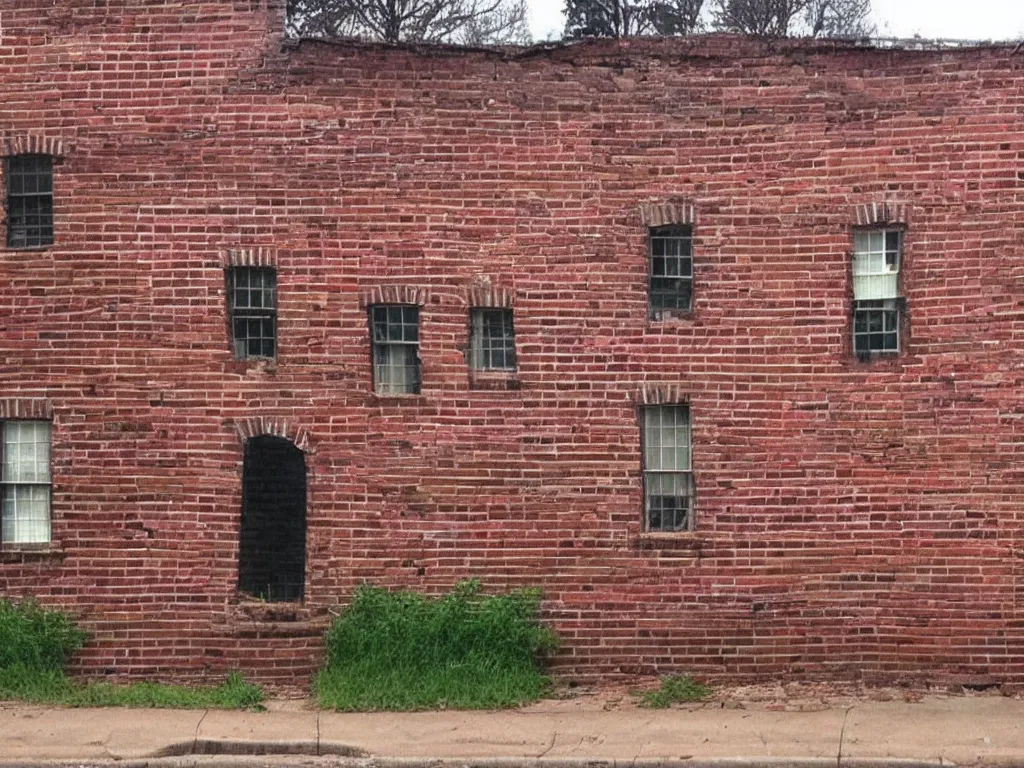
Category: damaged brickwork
<point>852,518</point>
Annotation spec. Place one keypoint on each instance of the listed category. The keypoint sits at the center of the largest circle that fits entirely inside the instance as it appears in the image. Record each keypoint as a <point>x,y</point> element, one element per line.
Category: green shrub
<point>405,651</point>
<point>678,688</point>
<point>34,638</point>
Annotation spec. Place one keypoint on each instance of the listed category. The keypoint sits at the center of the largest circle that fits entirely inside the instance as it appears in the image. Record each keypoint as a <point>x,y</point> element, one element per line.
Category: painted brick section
<point>854,519</point>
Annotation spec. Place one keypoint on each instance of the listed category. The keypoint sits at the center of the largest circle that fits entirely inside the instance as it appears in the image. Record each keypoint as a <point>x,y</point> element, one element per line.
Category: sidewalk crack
<point>554,735</point>
<point>318,734</point>
<point>842,732</point>
<point>195,740</point>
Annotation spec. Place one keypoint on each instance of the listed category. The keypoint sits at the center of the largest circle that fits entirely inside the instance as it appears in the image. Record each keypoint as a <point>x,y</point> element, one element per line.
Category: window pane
<point>396,369</point>
<point>876,327</point>
<point>892,240</point>
<point>411,323</point>
<point>26,514</point>
<point>26,452</point>
<point>876,263</point>
<point>668,501</point>
<point>672,294</point>
<point>666,438</point>
<point>652,439</point>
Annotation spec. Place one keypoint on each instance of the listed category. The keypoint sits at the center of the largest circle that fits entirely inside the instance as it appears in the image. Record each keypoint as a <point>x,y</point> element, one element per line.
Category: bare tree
<point>839,18</point>
<point>813,18</point>
<point>676,17</point>
<point>506,25</point>
<point>624,18</point>
<point>757,17</point>
<point>466,22</point>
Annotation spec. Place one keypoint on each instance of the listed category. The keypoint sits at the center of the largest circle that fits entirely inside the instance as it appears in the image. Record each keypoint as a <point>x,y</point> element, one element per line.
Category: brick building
<point>718,341</point>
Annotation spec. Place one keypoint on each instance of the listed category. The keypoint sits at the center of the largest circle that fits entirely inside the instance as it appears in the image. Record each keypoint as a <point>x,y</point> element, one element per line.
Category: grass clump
<point>677,688</point>
<point>463,650</point>
<point>233,693</point>
<point>32,638</point>
<point>53,687</point>
<point>35,645</point>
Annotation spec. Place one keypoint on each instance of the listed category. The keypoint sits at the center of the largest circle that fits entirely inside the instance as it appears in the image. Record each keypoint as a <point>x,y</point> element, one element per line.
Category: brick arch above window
<point>250,257</point>
<point>490,296</point>
<point>662,394</point>
<point>33,144</point>
<point>25,408</point>
<point>257,426</point>
<point>394,294</point>
<point>667,213</point>
<point>879,214</point>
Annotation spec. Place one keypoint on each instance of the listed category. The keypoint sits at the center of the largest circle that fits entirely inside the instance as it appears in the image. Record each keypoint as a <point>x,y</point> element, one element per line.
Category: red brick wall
<point>853,519</point>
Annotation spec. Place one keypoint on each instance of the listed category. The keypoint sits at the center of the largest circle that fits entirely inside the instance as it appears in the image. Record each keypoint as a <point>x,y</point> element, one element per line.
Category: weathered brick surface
<point>854,519</point>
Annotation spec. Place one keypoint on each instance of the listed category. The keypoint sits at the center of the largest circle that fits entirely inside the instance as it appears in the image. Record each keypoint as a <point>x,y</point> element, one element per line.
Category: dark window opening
<point>671,271</point>
<point>491,340</point>
<point>668,479</point>
<point>395,339</point>
<point>272,549</point>
<point>252,305</point>
<point>29,200</point>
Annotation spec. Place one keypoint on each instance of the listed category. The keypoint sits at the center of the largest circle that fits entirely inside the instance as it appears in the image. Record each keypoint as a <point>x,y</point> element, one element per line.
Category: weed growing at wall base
<point>463,650</point>
<point>673,690</point>
<point>36,639</point>
<point>35,644</point>
<point>19,683</point>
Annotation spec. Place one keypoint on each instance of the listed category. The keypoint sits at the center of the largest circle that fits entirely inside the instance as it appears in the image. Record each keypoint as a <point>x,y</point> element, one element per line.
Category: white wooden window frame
<point>25,482</point>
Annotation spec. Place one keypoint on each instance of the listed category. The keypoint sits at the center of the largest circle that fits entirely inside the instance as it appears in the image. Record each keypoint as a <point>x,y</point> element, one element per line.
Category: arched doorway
<point>272,549</point>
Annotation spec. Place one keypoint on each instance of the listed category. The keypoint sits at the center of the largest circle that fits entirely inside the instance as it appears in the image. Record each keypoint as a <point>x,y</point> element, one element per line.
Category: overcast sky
<point>976,19</point>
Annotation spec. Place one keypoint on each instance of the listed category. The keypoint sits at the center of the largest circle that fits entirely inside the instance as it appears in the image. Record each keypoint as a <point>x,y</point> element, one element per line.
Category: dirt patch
<point>775,696</point>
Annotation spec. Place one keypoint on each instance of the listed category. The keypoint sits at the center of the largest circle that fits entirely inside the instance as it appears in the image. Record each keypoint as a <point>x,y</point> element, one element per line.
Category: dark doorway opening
<point>272,550</point>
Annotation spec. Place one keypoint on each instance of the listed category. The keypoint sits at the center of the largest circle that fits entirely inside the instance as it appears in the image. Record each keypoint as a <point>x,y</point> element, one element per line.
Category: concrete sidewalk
<point>938,730</point>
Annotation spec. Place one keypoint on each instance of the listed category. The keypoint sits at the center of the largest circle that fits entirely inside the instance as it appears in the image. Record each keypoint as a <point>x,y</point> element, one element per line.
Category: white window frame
<point>395,349</point>
<point>661,464</point>
<point>34,476</point>
<point>877,307</point>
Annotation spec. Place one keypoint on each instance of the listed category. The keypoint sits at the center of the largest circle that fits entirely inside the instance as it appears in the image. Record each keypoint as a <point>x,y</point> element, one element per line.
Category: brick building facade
<point>836,512</point>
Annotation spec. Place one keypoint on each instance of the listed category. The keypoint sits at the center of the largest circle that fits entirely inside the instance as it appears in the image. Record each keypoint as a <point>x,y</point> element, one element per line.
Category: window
<point>876,306</point>
<point>29,200</point>
<point>668,481</point>
<point>272,548</point>
<point>395,335</point>
<point>491,340</point>
<point>252,305</point>
<point>671,271</point>
<point>26,482</point>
